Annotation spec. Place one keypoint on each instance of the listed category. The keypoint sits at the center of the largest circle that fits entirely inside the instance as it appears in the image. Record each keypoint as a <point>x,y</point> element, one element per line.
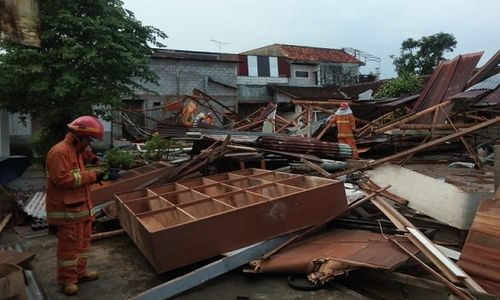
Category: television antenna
<point>219,43</point>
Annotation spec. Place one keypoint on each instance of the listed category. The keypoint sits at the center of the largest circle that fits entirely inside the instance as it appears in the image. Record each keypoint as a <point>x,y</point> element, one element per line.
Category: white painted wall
<point>17,127</point>
<point>433,197</point>
<point>299,81</point>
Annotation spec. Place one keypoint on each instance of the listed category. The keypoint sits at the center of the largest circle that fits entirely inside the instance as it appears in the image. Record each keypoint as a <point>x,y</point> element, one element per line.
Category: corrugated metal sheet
<point>35,207</point>
<point>487,70</point>
<point>480,256</point>
<point>471,95</point>
<point>449,78</point>
<point>305,145</point>
<point>369,249</point>
<point>490,83</point>
<point>492,98</point>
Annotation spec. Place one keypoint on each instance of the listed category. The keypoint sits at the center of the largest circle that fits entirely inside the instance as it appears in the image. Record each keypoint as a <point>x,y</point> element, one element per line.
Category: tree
<point>422,56</point>
<point>93,53</point>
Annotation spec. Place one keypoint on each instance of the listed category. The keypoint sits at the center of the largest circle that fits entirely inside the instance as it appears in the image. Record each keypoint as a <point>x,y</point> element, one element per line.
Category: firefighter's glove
<point>99,176</point>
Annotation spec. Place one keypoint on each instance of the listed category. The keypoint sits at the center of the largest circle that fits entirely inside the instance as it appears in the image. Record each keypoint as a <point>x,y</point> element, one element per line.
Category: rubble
<point>275,190</point>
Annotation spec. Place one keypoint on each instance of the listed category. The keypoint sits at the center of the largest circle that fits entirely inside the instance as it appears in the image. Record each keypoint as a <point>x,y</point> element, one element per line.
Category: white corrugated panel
<point>490,83</point>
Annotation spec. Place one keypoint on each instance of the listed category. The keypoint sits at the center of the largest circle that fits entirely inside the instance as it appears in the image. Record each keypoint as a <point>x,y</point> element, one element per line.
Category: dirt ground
<point>125,272</point>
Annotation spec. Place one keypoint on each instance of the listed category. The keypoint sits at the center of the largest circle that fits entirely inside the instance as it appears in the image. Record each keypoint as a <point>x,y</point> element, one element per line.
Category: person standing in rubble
<point>346,126</point>
<point>209,118</point>
<point>188,113</point>
<point>68,203</point>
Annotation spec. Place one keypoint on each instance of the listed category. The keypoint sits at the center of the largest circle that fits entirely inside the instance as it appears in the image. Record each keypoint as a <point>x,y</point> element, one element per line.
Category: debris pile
<point>274,192</point>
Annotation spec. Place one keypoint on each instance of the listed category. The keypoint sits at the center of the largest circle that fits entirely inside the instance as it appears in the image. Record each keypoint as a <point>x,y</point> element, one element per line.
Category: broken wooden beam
<point>422,147</point>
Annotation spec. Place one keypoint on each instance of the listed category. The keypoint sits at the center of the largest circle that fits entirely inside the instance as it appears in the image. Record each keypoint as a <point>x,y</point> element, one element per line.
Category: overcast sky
<point>376,27</point>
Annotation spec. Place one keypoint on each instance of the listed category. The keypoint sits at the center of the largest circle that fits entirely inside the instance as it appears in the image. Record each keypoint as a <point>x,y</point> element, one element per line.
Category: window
<point>252,66</point>
<point>316,77</point>
<point>302,74</point>
<point>273,66</point>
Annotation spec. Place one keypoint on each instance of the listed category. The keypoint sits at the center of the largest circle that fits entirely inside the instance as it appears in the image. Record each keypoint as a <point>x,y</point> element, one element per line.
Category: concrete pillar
<point>4,134</point>
<point>497,166</point>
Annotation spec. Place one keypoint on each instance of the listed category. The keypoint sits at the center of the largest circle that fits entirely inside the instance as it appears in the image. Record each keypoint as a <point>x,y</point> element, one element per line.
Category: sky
<point>375,27</point>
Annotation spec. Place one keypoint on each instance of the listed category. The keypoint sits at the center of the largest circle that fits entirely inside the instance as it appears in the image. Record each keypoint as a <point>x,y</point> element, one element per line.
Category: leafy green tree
<point>405,84</point>
<point>422,56</point>
<point>93,53</point>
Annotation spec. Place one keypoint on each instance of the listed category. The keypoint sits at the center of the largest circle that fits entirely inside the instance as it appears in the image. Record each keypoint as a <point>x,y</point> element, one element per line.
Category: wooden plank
<point>14,257</point>
<point>232,261</point>
<point>411,117</point>
<point>449,268</point>
<point>315,167</point>
<point>5,221</point>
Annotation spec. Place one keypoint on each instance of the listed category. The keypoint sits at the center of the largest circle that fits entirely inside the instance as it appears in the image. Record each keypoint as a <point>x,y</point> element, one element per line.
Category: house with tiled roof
<point>263,73</point>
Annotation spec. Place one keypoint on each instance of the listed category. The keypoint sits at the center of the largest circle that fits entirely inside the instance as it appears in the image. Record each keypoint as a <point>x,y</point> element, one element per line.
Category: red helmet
<point>87,126</point>
<point>344,105</point>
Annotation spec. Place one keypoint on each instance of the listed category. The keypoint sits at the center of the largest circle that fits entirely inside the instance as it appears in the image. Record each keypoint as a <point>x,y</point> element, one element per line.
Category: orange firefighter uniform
<point>346,126</point>
<point>69,206</point>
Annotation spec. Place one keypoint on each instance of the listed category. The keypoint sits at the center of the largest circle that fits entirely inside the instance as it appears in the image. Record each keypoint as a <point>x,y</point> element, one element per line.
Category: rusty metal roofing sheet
<point>471,95</point>
<point>492,98</point>
<point>366,248</point>
<point>305,145</point>
<point>449,78</point>
<point>480,256</point>
<point>487,70</point>
<point>187,221</point>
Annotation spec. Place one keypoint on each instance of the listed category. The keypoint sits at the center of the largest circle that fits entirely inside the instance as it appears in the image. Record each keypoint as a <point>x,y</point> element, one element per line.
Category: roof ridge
<point>312,47</point>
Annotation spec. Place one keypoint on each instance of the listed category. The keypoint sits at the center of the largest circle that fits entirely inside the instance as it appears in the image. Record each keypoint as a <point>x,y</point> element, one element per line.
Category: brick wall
<point>339,74</point>
<point>179,77</point>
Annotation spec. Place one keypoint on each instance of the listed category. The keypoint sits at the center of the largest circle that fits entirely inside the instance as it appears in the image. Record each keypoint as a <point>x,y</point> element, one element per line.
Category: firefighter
<point>346,126</point>
<point>68,203</point>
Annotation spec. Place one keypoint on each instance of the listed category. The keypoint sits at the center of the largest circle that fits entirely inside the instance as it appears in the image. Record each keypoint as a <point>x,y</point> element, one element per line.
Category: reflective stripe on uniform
<point>84,255</point>
<point>65,263</point>
<point>340,121</point>
<point>341,135</point>
<point>68,215</point>
<point>78,177</point>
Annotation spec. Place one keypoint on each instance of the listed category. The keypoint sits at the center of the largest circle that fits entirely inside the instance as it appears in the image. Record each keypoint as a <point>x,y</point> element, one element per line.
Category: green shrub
<point>406,84</point>
<point>118,158</point>
<point>157,147</point>
<point>41,143</point>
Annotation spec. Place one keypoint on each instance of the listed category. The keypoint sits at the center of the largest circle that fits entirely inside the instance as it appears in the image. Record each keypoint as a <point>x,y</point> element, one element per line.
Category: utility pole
<point>219,43</point>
